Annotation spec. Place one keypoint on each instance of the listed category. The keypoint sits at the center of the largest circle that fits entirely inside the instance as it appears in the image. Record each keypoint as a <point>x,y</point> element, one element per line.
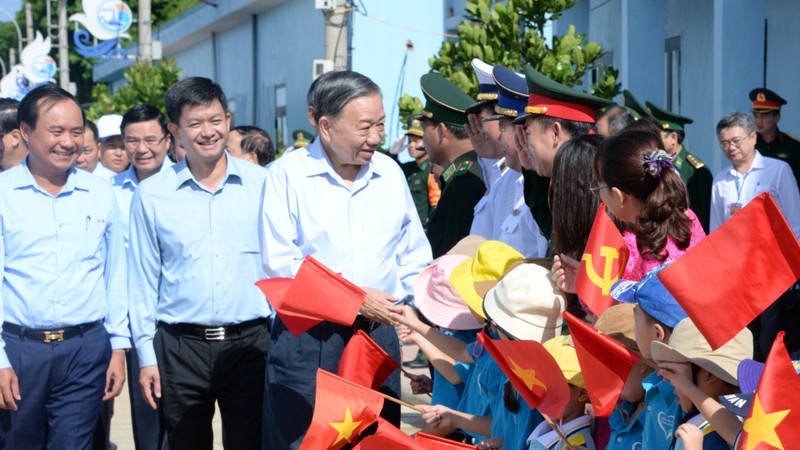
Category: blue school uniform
<point>711,439</point>
<point>444,392</point>
<point>662,413</point>
<point>514,428</point>
<point>578,432</point>
<point>627,425</point>
<point>483,380</point>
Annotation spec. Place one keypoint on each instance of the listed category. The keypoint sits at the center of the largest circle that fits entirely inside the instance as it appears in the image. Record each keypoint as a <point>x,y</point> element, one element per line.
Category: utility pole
<point>28,22</point>
<point>12,57</point>
<point>145,31</point>
<point>337,35</point>
<point>63,50</point>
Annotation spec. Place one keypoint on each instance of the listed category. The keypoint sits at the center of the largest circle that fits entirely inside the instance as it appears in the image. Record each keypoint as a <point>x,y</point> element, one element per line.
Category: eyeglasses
<point>595,188</point>
<point>736,142</point>
<point>149,142</point>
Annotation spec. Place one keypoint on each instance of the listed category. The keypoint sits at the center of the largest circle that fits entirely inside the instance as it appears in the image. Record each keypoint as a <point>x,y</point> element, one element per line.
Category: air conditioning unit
<point>322,66</point>
<point>325,4</point>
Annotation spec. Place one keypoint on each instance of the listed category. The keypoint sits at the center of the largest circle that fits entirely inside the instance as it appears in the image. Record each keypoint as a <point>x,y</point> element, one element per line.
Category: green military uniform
<point>462,180</point>
<point>417,175</point>
<point>693,171</point>
<point>785,146</point>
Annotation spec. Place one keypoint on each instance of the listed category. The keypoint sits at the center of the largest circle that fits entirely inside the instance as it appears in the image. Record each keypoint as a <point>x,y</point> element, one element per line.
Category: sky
<point>12,6</point>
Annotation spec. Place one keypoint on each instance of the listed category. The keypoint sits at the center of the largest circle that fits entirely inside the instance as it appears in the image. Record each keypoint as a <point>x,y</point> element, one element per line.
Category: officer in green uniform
<point>771,141</point>
<point>448,145</point>
<point>693,171</point>
<point>418,170</point>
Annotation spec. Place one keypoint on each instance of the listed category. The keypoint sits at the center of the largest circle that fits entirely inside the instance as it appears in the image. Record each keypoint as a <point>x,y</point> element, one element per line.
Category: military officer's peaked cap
<point>668,120</point>
<point>765,100</point>
<point>487,89</point>
<point>301,138</point>
<point>414,126</point>
<point>444,101</point>
<point>552,99</point>
<point>630,102</point>
<point>513,93</point>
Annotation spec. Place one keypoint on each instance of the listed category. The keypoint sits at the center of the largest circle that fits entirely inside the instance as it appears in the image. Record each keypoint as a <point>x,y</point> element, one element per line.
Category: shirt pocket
<point>511,222</point>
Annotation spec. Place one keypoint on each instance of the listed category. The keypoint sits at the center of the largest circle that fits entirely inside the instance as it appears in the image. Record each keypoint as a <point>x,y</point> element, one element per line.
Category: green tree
<point>147,83</point>
<point>80,68</point>
<point>512,35</point>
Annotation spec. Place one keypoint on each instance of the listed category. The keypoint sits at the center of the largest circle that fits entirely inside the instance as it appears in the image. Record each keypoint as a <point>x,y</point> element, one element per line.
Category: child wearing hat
<point>656,313</point>
<point>700,375</point>
<point>576,424</point>
<point>441,305</point>
<point>482,377</point>
<point>523,305</point>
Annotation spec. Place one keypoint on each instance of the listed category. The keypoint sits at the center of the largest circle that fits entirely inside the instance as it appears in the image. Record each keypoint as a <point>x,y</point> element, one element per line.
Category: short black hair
<point>90,125</point>
<point>8,115</point>
<point>143,113</point>
<point>194,91</point>
<point>49,94</point>
<point>255,140</point>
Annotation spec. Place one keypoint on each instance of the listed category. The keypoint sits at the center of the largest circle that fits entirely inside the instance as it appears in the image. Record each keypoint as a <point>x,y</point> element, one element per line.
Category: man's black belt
<point>51,335</point>
<point>219,333</point>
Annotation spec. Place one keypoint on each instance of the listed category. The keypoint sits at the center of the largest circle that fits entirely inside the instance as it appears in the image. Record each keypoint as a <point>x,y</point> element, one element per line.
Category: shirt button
<point>619,439</point>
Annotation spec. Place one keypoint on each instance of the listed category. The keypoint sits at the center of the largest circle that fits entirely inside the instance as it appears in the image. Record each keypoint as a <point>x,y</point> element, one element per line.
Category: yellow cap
<point>491,262</point>
<point>567,358</point>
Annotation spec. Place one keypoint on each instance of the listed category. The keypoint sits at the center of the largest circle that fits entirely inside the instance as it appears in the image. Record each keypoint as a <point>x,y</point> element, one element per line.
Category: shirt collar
<point>318,163</point>
<point>75,180</point>
<point>128,177</point>
<point>184,175</point>
<point>569,428</point>
<point>758,163</point>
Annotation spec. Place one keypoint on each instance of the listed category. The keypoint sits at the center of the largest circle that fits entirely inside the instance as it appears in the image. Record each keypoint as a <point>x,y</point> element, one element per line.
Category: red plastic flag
<point>605,364</point>
<point>737,271</point>
<point>533,372</point>
<point>774,418</point>
<point>602,264</point>
<point>387,437</point>
<point>275,289</point>
<point>430,442</point>
<point>342,410</point>
<point>364,362</point>
<point>315,294</point>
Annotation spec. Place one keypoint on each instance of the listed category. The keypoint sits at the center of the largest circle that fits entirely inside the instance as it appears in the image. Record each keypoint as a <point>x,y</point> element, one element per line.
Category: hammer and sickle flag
<point>602,264</point>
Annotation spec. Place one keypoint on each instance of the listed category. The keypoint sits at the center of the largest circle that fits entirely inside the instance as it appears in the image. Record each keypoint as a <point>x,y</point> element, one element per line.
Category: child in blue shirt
<point>655,315</point>
<point>701,375</point>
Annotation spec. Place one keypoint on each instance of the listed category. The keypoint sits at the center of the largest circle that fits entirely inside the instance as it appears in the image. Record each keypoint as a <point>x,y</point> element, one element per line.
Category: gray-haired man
<point>348,206</point>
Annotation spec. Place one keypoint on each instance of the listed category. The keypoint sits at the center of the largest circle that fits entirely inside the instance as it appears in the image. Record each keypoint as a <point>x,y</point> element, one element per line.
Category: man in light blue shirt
<point>146,140</point>
<point>198,320</point>
<point>348,206</point>
<point>63,287</point>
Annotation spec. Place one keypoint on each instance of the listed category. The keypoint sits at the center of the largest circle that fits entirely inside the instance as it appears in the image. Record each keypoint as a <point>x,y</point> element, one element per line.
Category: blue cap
<point>749,374</point>
<point>651,295</point>
<point>512,90</point>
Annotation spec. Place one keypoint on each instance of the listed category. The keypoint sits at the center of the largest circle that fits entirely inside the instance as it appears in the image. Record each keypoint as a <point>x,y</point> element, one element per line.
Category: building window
<point>606,59</point>
<point>672,65</point>
<point>281,133</point>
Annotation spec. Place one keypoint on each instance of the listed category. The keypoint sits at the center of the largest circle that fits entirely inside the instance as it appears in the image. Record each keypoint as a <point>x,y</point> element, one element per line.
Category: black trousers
<point>292,378</point>
<point>196,373</point>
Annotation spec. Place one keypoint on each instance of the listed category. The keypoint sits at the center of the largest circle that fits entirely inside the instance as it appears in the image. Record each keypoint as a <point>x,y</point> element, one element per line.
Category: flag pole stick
<point>558,431</point>
<point>400,402</point>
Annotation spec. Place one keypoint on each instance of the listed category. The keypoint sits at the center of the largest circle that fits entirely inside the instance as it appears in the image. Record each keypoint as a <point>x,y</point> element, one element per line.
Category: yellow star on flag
<point>527,375</point>
<point>345,428</point>
<point>760,426</point>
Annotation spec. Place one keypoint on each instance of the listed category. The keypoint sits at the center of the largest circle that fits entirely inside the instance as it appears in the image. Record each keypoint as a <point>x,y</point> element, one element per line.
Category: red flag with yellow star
<point>533,372</point>
<point>387,437</point>
<point>774,418</point>
<point>365,362</point>
<point>602,264</point>
<point>430,442</point>
<point>606,364</point>
<point>342,410</point>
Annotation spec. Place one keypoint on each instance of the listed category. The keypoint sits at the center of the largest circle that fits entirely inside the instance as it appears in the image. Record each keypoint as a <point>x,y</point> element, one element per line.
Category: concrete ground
<point>122,432</point>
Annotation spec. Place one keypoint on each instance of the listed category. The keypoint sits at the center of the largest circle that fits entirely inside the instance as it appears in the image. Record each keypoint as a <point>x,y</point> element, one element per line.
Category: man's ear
<point>558,133</point>
<point>16,137</point>
<point>583,395</point>
<point>442,131</point>
<point>173,129</point>
<point>324,128</point>
<point>25,131</point>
